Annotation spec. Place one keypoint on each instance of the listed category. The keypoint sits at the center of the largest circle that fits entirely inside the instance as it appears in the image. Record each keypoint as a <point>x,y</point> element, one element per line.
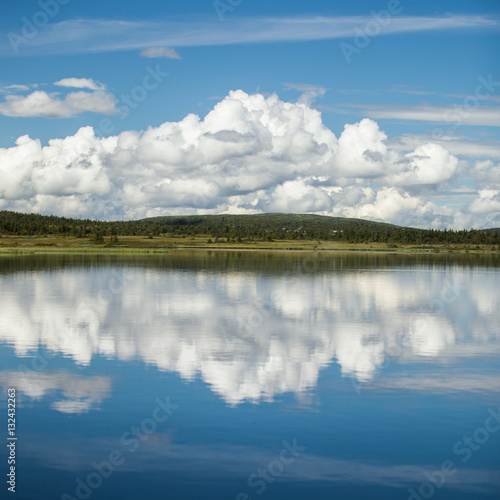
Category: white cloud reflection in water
<point>252,336</point>
<point>78,394</point>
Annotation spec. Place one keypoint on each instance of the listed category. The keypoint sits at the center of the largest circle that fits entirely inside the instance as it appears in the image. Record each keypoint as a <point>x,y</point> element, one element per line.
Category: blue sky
<point>420,74</point>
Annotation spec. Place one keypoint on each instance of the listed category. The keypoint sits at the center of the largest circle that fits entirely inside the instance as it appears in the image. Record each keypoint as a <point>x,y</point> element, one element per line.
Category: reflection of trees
<point>273,263</point>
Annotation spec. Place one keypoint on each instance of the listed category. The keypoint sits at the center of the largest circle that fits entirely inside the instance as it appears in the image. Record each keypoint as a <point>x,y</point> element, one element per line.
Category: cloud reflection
<point>79,394</point>
<point>252,336</point>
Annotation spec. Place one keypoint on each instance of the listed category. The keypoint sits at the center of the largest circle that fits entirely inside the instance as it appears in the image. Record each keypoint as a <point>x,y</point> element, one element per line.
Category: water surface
<point>238,375</point>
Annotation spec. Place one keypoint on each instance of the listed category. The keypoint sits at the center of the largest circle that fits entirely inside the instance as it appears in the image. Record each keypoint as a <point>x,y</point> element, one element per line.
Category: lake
<point>244,375</point>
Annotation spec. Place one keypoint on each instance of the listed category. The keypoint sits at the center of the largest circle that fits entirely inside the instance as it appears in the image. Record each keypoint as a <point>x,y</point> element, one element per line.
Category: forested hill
<point>257,227</point>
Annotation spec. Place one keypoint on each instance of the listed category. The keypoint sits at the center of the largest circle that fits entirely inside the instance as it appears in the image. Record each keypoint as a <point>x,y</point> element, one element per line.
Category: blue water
<point>252,375</point>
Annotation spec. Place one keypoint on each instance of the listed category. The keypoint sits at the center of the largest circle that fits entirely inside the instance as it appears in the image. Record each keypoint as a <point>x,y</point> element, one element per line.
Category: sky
<point>384,110</point>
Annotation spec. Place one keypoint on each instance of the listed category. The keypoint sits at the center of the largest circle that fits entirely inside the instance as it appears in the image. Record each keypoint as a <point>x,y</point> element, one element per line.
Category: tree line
<point>240,228</point>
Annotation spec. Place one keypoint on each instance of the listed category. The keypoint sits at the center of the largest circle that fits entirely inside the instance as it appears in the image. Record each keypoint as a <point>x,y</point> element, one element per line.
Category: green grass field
<point>141,244</point>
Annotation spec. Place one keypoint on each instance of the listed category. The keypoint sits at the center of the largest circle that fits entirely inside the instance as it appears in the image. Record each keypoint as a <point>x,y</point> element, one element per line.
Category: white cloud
<point>51,105</point>
<point>487,202</point>
<point>153,52</point>
<point>362,150</point>
<point>428,164</point>
<point>298,196</point>
<point>486,174</point>
<point>80,83</point>
<point>387,204</point>
<point>251,153</point>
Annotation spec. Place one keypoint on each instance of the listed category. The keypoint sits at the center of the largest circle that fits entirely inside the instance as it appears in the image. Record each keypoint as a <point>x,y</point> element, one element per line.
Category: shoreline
<point>141,246</point>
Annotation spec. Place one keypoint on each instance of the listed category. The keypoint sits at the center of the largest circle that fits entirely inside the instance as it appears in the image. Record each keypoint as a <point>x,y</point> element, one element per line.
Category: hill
<point>239,228</point>
<point>269,221</point>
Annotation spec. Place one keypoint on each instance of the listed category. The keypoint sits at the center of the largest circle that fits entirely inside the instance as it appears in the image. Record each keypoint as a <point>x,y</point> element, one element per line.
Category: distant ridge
<point>270,219</point>
<point>240,228</point>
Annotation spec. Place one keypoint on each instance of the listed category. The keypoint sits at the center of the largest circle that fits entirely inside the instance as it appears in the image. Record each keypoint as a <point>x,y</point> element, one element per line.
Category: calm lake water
<point>252,375</point>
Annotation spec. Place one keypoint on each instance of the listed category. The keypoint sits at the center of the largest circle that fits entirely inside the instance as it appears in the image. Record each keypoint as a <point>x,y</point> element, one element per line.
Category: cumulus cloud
<point>385,204</point>
<point>298,196</point>
<point>251,153</point>
<point>80,83</point>
<point>154,52</point>
<point>362,151</point>
<point>428,164</point>
<point>488,201</point>
<point>52,105</point>
<point>486,174</point>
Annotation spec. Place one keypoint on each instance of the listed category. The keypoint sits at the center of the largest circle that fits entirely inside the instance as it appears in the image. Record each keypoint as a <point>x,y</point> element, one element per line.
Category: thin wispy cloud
<point>451,116</point>
<point>303,87</point>
<point>17,88</point>
<point>94,35</point>
<point>156,52</point>
<point>404,89</point>
<point>416,92</point>
<point>490,98</point>
<point>353,91</point>
<point>457,145</point>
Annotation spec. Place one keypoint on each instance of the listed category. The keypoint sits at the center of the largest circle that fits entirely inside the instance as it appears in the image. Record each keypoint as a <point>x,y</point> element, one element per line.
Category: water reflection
<point>252,328</point>
<point>78,394</point>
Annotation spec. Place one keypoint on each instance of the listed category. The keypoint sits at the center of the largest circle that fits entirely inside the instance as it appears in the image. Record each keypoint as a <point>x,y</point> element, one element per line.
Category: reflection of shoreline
<point>250,336</point>
<point>223,260</point>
